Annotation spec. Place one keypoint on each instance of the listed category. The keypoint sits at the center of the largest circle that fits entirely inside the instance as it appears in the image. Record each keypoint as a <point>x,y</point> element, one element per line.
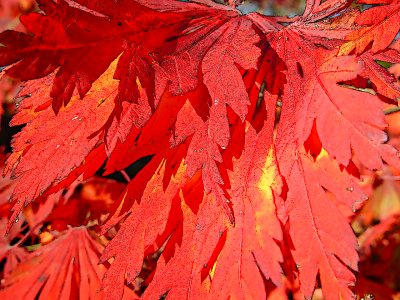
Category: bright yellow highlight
<point>322,154</point>
<point>139,84</point>
<point>105,87</point>
<point>263,201</point>
<point>268,177</point>
<point>214,267</point>
<point>346,48</point>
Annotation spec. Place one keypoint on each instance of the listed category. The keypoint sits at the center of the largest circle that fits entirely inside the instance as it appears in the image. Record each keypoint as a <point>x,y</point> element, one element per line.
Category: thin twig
<point>392,110</point>
<point>125,175</point>
<point>28,234</point>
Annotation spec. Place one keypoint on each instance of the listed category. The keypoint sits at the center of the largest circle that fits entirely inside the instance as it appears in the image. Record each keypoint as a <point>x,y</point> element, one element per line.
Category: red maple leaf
<point>256,129</point>
<point>379,26</point>
<point>59,271</point>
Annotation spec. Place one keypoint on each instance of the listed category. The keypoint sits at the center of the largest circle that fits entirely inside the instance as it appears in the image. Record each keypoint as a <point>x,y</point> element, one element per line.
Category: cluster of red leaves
<point>257,130</point>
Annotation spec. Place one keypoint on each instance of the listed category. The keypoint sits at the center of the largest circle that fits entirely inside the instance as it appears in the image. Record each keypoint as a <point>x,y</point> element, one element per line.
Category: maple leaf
<point>100,30</point>
<point>140,235</point>
<point>379,26</point>
<point>313,92</point>
<point>257,229</point>
<point>309,206</point>
<point>199,231</point>
<point>194,232</point>
<point>147,141</point>
<point>218,39</point>
<point>214,39</point>
<point>203,151</point>
<point>66,268</point>
<point>79,66</point>
<point>200,35</point>
<point>384,82</point>
<point>194,88</point>
<point>312,96</point>
<point>133,115</point>
<point>41,146</point>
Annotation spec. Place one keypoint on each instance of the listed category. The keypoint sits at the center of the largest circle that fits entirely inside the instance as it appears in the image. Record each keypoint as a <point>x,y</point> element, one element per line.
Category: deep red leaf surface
<point>255,131</point>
